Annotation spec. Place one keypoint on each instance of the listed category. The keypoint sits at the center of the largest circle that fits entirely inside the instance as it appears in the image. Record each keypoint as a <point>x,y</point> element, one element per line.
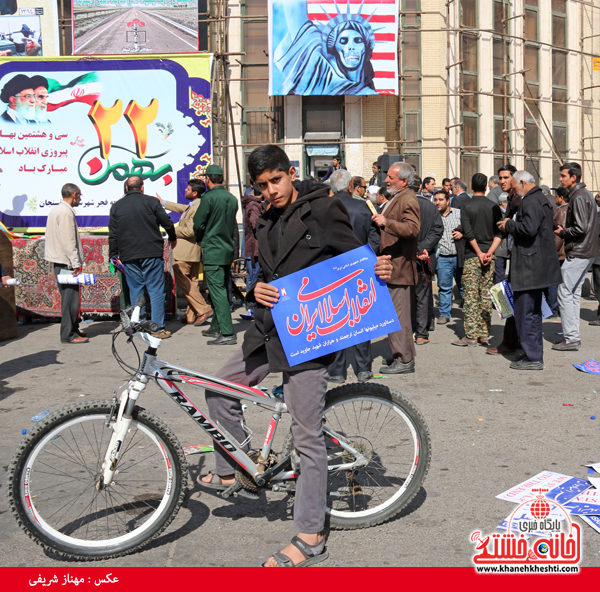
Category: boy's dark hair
<point>257,191</point>
<point>508,167</point>
<point>445,180</point>
<point>338,158</point>
<point>479,183</point>
<point>198,186</point>
<point>428,180</point>
<point>443,193</point>
<point>377,165</point>
<point>267,158</point>
<point>574,170</point>
<point>563,192</point>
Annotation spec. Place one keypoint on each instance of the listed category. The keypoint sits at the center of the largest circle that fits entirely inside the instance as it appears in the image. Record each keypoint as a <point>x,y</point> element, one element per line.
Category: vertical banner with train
<point>28,28</point>
<point>333,47</point>
<point>102,27</point>
<point>95,123</point>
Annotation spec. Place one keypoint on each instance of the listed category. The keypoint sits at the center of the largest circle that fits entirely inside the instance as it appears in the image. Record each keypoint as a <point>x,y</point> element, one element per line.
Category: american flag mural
<point>337,47</point>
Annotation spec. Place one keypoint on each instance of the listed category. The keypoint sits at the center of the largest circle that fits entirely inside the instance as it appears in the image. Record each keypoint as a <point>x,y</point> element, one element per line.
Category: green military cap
<point>213,169</point>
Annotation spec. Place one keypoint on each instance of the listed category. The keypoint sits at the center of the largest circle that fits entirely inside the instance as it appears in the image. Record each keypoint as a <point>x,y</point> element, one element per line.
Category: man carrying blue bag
<point>303,226</point>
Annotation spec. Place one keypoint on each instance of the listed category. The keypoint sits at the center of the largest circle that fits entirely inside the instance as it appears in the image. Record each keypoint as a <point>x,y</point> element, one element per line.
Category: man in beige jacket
<point>187,253</point>
<point>63,249</point>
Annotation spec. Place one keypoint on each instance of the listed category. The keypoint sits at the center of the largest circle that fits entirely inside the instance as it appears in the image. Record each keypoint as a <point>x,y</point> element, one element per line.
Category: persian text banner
<point>336,47</point>
<point>332,305</point>
<point>95,123</point>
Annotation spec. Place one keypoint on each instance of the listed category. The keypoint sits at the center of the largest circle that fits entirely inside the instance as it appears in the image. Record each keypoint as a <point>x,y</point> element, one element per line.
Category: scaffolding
<point>220,20</point>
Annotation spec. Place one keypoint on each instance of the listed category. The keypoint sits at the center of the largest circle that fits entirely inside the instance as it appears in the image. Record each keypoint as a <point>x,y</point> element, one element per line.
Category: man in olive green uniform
<point>212,226</point>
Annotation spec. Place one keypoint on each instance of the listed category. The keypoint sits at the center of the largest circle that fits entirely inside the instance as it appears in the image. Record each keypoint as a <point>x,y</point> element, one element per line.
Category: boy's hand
<point>265,294</point>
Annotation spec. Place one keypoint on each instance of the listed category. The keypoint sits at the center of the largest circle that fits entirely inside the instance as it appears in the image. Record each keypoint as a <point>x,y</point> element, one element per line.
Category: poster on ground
<point>102,27</point>
<point>28,28</point>
<point>332,305</point>
<point>333,47</point>
<point>95,123</point>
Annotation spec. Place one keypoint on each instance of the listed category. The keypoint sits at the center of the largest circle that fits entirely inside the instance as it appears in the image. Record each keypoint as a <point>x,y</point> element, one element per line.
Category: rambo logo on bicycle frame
<point>199,418</point>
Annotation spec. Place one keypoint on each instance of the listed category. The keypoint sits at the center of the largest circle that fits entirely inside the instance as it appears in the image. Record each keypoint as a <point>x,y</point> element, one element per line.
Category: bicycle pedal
<point>233,488</point>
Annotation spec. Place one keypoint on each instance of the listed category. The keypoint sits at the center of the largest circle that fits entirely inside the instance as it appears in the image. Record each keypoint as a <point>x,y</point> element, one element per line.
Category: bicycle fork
<point>129,397</point>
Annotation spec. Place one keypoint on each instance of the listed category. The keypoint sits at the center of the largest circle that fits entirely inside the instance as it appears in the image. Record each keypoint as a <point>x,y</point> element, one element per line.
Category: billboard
<point>95,123</point>
<point>333,47</point>
<point>102,27</point>
<point>28,28</point>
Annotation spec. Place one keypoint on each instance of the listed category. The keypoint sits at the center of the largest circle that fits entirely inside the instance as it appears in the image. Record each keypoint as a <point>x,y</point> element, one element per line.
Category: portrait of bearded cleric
<point>322,57</point>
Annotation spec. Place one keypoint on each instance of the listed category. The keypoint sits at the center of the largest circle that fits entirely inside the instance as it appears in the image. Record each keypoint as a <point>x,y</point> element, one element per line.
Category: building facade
<point>483,82</point>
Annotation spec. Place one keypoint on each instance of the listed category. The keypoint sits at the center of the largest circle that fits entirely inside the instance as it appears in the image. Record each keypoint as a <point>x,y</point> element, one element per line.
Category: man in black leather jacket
<point>581,248</point>
<point>596,273</point>
<point>534,266</point>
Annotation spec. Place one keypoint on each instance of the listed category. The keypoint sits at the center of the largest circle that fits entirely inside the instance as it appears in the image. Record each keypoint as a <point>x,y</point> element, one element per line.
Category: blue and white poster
<point>335,47</point>
<point>332,305</point>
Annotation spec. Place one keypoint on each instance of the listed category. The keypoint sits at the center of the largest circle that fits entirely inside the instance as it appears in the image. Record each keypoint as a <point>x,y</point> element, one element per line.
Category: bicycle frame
<point>168,376</point>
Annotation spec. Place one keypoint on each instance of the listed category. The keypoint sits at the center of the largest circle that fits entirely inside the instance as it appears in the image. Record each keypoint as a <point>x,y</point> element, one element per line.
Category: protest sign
<point>95,123</point>
<point>561,488</point>
<point>504,301</point>
<point>332,305</point>
<point>591,367</point>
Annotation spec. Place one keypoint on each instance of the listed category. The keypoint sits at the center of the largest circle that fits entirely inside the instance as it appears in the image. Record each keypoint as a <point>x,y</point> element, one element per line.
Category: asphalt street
<point>115,37</point>
<point>491,428</point>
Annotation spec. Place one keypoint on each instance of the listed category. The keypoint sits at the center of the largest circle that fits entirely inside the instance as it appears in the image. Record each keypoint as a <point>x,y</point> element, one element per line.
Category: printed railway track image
<point>135,31</point>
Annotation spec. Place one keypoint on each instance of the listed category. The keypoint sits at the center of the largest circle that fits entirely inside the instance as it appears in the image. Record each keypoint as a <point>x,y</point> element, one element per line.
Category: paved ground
<point>485,440</point>
<point>115,37</point>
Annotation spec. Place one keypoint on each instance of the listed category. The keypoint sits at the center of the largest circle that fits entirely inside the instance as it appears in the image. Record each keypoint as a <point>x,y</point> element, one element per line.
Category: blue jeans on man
<point>148,273</point>
<point>447,270</point>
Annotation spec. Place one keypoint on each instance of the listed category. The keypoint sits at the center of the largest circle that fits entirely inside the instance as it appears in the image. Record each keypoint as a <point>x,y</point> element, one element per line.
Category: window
<point>411,82</point>
<point>501,66</point>
<point>559,78</point>
<point>262,121</point>
<point>532,90</point>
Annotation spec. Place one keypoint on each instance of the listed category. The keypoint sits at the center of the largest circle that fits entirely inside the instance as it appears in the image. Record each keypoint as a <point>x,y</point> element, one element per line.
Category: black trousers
<point>362,354</point>
<point>596,283</point>
<point>421,303</point>
<point>528,320</point>
<point>69,308</point>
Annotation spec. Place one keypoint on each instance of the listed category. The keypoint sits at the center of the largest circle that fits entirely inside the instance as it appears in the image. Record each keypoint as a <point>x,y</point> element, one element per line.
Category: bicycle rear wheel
<point>389,431</point>
<point>53,476</point>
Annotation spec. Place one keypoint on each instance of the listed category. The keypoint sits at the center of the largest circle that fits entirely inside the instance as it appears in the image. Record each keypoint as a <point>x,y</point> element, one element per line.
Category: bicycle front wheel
<point>389,431</point>
<point>53,476</point>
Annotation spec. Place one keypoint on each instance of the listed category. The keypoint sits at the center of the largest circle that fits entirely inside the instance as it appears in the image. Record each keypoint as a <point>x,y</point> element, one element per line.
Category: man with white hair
<point>339,181</point>
<point>533,266</point>
<point>400,223</point>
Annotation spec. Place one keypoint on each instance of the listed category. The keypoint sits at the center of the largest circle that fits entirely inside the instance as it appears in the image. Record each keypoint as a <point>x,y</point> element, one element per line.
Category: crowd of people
<point>472,236</point>
<point>466,236</point>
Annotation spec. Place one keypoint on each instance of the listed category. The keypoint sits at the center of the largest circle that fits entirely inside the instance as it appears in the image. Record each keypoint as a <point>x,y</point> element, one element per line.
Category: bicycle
<point>101,479</point>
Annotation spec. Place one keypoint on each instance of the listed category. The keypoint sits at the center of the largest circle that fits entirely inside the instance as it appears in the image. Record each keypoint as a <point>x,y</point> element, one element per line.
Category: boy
<point>303,226</point>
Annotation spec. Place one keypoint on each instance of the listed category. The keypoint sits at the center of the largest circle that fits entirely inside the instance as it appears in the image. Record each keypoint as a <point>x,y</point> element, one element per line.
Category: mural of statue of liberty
<point>331,58</point>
